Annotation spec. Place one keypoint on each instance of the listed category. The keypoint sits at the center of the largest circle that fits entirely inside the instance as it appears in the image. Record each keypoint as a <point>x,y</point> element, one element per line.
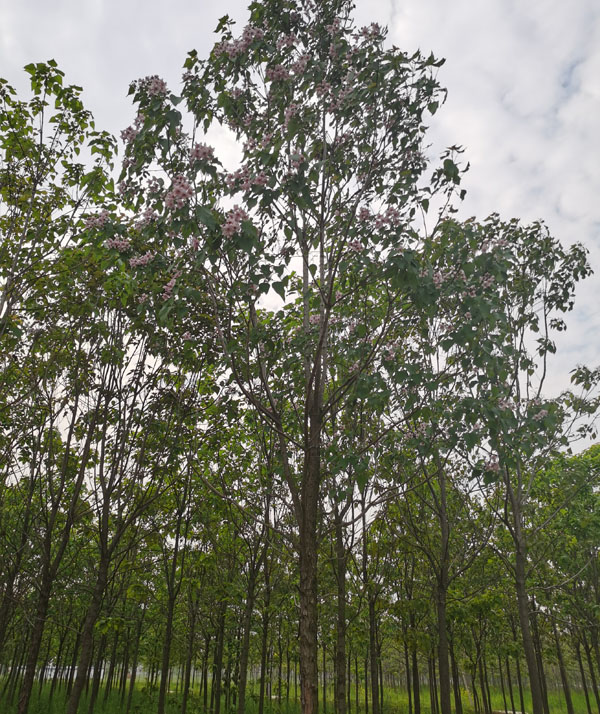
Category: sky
<point>523,81</point>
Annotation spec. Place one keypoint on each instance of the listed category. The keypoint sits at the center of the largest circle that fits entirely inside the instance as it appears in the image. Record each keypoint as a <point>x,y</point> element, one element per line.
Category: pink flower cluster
<point>323,88</point>
<point>300,65</point>
<point>146,218</point>
<point>241,45</point>
<point>168,288</point>
<point>180,192</point>
<point>202,152</point>
<point>487,281</point>
<point>290,111</point>
<point>334,28</point>
<point>155,86</point>
<point>233,221</point>
<point>120,244</point>
<point>284,41</point>
<point>140,260</point>
<point>540,415</point>
<point>242,175</point>
<point>356,246</point>
<point>245,178</point>
<point>277,73</point>
<point>314,319</point>
<point>129,134</point>
<point>492,465</point>
<point>98,220</point>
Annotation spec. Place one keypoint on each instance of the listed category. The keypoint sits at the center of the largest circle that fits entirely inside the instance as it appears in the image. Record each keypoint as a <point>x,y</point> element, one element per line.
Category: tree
<point>332,129</point>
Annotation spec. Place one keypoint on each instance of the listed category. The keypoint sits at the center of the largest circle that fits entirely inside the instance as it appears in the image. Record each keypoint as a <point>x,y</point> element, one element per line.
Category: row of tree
<point>237,437</point>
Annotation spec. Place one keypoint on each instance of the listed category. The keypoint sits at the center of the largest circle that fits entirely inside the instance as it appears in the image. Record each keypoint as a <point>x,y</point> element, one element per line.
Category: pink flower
<point>233,221</point>
<point>202,152</point>
<point>120,244</point>
<point>180,192</point>
<point>129,134</point>
<point>140,260</point>
<point>98,220</point>
<point>356,246</point>
<point>277,73</point>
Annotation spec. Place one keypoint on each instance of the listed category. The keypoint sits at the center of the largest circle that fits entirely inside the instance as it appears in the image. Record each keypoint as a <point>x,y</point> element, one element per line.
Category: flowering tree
<point>320,212</point>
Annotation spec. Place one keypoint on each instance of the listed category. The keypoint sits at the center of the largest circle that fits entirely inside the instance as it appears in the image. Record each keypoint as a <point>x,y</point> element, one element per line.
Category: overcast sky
<point>524,97</point>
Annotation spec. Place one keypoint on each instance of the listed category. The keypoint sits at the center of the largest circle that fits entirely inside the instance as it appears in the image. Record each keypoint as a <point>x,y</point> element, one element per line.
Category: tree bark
<point>340,650</point>
<point>563,671</point>
<point>87,636</point>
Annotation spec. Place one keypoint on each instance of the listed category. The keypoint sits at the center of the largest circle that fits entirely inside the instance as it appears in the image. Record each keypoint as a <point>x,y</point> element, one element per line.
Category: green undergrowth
<point>144,701</point>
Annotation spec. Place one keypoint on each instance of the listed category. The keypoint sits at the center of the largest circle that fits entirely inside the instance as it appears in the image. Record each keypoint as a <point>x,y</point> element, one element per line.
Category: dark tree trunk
<point>563,671</point>
<point>528,646</point>
<point>37,631</point>
<point>340,649</point>
<point>455,680</point>
<point>415,674</point>
<point>218,663</point>
<point>134,665</point>
<point>97,674</point>
<point>537,643</point>
<point>308,566</point>
<point>87,636</point>
<point>510,686</point>
<point>593,679</point>
<point>583,677</point>
<point>408,680</point>
<point>190,652</point>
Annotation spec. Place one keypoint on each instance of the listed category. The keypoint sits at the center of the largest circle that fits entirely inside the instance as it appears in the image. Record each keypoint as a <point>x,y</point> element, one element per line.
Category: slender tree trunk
<point>588,656</point>
<point>264,640</point>
<point>219,659</point>
<point>190,653</point>
<point>35,641</point>
<point>528,646</point>
<point>324,680</point>
<point>443,663</point>
<point>340,650</point>
<point>537,643</point>
<point>134,665</point>
<point>455,680</point>
<point>510,686</point>
<point>577,649</point>
<point>415,674</point>
<point>97,674</point>
<point>408,680</point>
<point>111,668</point>
<point>563,671</point>
<point>308,568</point>
<point>87,636</point>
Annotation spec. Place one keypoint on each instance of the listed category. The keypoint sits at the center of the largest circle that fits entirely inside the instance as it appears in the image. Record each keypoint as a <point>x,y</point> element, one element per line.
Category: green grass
<point>145,702</point>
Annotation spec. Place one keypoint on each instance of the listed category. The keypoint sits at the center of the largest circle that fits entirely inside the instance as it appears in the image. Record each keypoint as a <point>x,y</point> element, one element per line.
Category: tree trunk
<point>308,568</point>
<point>415,674</point>
<point>340,649</point>
<point>190,653</point>
<point>443,664</point>
<point>136,652</point>
<point>510,686</point>
<point>455,680</point>
<point>87,636</point>
<point>35,642</point>
<point>583,677</point>
<point>563,671</point>
<point>537,700</point>
<point>219,659</point>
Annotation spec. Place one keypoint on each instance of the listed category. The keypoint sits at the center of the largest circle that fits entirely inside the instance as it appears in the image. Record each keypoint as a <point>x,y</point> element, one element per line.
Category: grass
<point>145,702</point>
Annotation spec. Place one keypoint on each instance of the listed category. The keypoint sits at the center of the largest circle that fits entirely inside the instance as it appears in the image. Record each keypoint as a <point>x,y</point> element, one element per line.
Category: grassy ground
<point>145,700</point>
